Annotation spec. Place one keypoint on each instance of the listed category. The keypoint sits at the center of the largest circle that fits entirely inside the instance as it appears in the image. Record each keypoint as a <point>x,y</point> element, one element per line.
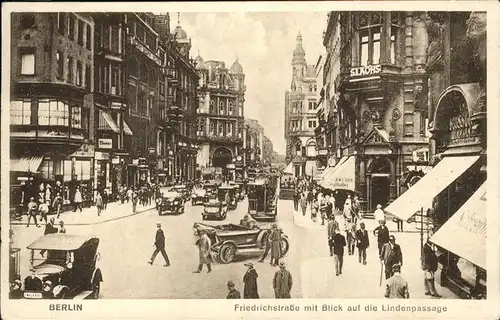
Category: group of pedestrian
<point>282,283</point>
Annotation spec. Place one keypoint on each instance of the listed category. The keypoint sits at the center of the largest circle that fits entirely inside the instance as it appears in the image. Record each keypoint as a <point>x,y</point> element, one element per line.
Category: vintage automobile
<point>214,209</point>
<point>239,189</point>
<point>183,190</point>
<point>172,202</point>
<point>66,270</point>
<point>262,200</point>
<point>210,186</point>
<point>231,191</point>
<point>198,196</point>
<point>232,240</point>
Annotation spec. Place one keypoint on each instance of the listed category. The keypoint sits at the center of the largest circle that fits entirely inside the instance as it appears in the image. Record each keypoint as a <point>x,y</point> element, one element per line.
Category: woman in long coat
<point>250,290</point>
<point>275,238</point>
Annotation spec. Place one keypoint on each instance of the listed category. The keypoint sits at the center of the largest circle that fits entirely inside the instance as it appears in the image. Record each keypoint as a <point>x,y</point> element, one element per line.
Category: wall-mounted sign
<point>101,155</point>
<point>366,70</point>
<point>115,160</point>
<point>421,155</point>
<point>105,143</point>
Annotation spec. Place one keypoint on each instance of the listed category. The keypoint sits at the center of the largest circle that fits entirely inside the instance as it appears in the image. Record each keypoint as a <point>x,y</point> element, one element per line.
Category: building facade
<point>379,103</point>
<point>300,114</point>
<point>52,110</point>
<point>253,143</point>
<point>221,93</point>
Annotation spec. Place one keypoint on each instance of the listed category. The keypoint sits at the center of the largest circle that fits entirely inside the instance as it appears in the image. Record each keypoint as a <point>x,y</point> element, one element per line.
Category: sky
<point>263,44</point>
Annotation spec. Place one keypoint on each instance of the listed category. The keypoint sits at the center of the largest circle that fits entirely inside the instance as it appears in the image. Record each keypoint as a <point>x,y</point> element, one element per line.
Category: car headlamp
<point>69,265</point>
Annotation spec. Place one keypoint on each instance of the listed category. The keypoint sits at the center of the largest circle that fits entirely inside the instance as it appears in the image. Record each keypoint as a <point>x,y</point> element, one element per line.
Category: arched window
<point>212,106</point>
<point>221,107</point>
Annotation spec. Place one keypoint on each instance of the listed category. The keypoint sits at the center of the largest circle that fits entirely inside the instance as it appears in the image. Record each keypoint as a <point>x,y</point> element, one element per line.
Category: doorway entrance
<point>379,191</point>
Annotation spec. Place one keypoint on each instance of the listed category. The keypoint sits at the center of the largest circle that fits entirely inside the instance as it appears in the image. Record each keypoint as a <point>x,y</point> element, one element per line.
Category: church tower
<point>299,63</point>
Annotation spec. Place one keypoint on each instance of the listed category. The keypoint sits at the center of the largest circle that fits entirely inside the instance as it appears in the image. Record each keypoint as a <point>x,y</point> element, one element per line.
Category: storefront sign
<point>101,155</point>
<point>322,152</point>
<point>421,155</point>
<point>365,71</point>
<point>105,143</point>
<point>115,160</point>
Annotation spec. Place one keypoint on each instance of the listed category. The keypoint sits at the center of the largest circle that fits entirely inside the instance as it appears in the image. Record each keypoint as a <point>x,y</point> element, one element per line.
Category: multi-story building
<point>300,114</point>
<point>319,131</point>
<point>253,135</point>
<point>144,66</point>
<point>454,191</point>
<point>113,135</point>
<point>221,93</point>
<point>267,151</point>
<point>379,103</point>
<point>52,108</point>
<point>183,90</point>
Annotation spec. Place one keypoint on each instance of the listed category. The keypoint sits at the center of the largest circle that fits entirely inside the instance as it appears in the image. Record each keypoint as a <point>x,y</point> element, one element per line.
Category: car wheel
<point>285,246</point>
<point>227,253</point>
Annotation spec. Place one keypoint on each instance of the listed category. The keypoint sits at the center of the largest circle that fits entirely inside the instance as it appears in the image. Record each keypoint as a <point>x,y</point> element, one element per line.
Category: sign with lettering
<point>365,70</point>
<point>105,143</point>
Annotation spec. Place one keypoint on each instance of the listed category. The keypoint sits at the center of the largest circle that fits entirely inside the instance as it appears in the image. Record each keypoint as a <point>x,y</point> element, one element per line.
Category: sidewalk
<point>370,224</point>
<point>88,216</point>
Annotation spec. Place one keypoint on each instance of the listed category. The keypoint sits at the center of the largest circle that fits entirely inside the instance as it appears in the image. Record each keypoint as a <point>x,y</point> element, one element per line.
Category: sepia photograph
<point>329,154</point>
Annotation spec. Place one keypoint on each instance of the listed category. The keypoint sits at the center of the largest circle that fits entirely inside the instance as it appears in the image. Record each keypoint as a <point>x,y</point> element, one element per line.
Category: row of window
<point>50,113</point>
<point>311,106</point>
<point>217,128</point>
<point>64,168</point>
<point>296,125</point>
<point>109,38</point>
<point>69,24</point>
<point>369,46</point>
<point>110,79</point>
<point>75,70</point>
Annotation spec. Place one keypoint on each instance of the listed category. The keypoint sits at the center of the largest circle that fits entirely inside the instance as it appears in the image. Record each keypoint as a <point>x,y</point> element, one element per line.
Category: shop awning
<point>343,177</point>
<point>289,168</point>
<point>430,185</point>
<point>126,129</point>
<point>106,122</point>
<point>310,167</point>
<point>464,234</point>
<point>329,173</point>
<point>28,164</point>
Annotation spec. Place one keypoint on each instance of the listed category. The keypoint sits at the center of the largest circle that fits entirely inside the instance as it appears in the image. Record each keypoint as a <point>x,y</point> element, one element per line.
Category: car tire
<point>227,253</point>
<point>285,246</point>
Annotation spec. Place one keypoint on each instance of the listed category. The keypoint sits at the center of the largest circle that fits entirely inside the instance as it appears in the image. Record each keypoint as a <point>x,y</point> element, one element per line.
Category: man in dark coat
<point>429,265</point>
<point>382,233</point>
<point>363,242</point>
<point>390,255</point>
<point>338,251</point>
<point>282,282</point>
<point>267,244</point>
<point>160,246</point>
<point>233,293</point>
<point>250,290</point>
<point>49,228</point>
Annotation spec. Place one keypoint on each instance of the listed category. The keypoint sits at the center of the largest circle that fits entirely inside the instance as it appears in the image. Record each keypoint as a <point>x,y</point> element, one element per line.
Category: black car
<point>67,270</point>
<point>172,202</point>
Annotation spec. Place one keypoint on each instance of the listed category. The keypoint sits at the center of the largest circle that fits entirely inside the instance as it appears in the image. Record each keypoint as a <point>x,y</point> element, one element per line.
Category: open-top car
<point>232,240</point>
<point>230,191</point>
<point>198,196</point>
<point>213,208</point>
<point>262,200</point>
<point>172,202</point>
<point>63,266</point>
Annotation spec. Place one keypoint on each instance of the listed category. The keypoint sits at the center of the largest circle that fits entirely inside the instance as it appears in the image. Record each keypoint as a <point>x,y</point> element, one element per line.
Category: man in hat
<point>382,233</point>
<point>233,293</point>
<point>204,252</point>
<point>282,282</point>
<point>275,238</point>
<point>390,255</point>
<point>250,290</point>
<point>397,287</point>
<point>267,243</point>
<point>160,246</point>
<point>338,251</point>
<point>363,242</point>
<point>32,209</point>
<point>331,227</point>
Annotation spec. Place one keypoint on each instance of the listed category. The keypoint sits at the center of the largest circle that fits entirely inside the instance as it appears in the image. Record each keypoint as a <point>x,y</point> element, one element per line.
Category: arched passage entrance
<point>221,157</point>
<point>380,182</point>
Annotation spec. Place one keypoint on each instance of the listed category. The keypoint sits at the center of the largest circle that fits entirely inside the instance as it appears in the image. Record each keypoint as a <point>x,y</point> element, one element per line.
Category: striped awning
<point>29,164</point>
<point>107,123</point>
<point>126,129</point>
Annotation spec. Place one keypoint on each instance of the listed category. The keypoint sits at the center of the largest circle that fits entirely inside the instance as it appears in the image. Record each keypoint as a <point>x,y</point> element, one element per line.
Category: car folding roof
<point>59,241</point>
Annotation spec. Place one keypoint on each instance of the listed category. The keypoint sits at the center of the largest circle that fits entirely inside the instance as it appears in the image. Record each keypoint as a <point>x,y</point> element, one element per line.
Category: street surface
<point>126,245</point>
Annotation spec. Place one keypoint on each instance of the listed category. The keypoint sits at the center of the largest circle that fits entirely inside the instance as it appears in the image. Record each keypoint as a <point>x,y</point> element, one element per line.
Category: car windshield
<point>56,257</point>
